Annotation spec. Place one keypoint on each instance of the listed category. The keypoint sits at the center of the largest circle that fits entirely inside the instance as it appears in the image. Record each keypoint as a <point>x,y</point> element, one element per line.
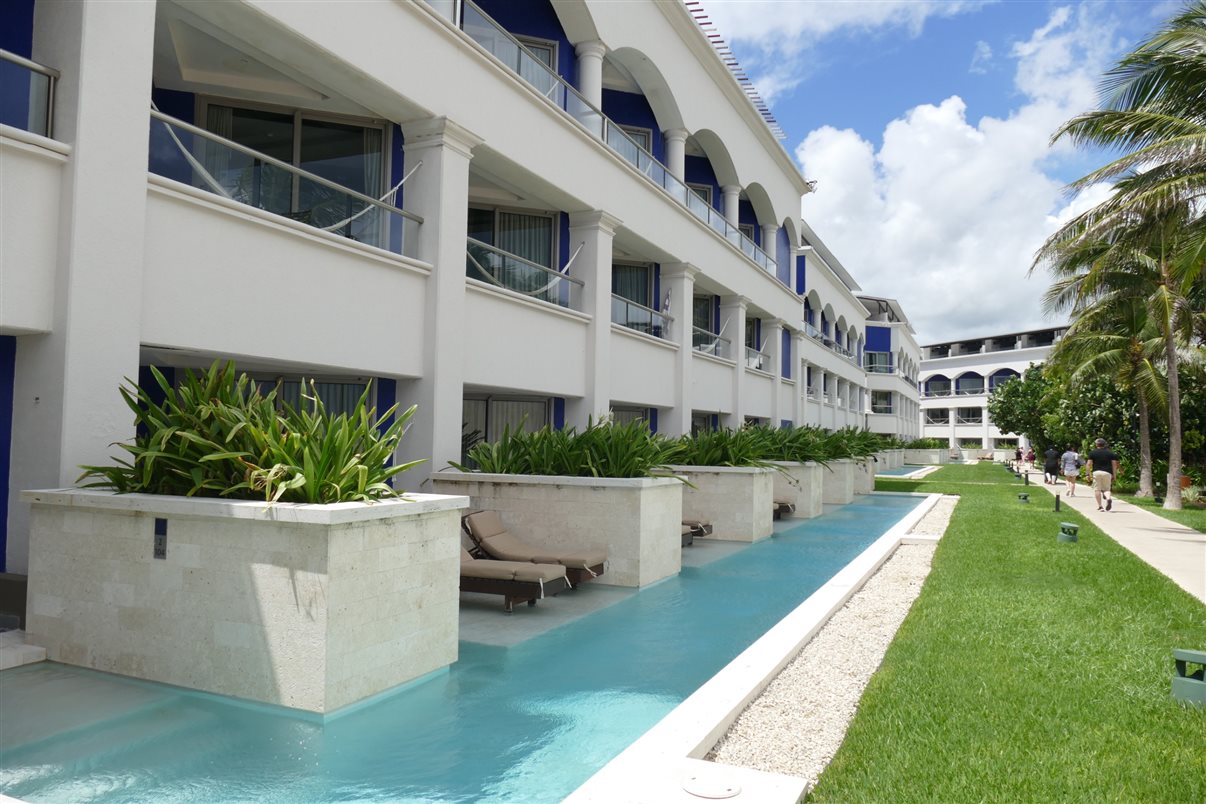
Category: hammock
<point>216,186</point>
<point>540,291</point>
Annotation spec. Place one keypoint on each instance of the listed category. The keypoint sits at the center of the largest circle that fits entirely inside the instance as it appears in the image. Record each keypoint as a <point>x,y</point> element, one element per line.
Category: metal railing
<point>481,28</point>
<point>709,343</point>
<point>628,313</point>
<point>510,271</point>
<point>196,157</point>
<point>887,409</point>
<point>27,89</point>
<point>969,420</point>
<point>878,369</point>
<point>813,332</point>
<point>755,359</point>
<point>811,393</point>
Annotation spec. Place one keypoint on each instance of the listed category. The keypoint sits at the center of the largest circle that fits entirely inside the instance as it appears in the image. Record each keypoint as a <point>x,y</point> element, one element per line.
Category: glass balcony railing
<point>26,94</point>
<point>481,28</point>
<point>812,392</point>
<point>196,157</point>
<point>710,344</point>
<point>635,316</point>
<point>879,408</point>
<point>756,360</point>
<point>877,369</point>
<point>510,271</point>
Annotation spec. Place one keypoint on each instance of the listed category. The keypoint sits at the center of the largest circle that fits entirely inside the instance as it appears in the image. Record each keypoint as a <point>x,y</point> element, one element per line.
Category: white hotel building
<point>958,376</point>
<point>595,218</point>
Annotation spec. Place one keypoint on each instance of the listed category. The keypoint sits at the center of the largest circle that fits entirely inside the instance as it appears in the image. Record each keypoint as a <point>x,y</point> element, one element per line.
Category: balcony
<point>193,156</point>
<point>493,37</point>
<point>638,317</point>
<point>944,392</point>
<point>505,270</point>
<point>710,344</point>
<point>756,360</point>
<point>27,90</point>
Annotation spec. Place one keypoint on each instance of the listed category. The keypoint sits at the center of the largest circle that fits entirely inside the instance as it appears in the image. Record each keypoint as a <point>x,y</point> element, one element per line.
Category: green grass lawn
<point>1192,517</point>
<point>1028,669</point>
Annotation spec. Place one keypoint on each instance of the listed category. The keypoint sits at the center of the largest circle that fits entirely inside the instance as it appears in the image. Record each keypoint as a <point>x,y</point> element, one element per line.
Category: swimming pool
<point>526,723</point>
<point>899,470</point>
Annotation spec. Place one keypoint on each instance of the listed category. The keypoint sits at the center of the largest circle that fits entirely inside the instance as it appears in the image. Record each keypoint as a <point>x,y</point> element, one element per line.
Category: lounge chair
<point>783,507</point>
<point>516,581</point>
<point>491,539</point>
<point>698,527</point>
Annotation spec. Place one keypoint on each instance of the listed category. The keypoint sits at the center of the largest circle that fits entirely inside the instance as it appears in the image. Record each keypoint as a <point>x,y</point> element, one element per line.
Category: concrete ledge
<point>837,482</point>
<point>304,606</point>
<point>927,456</point>
<point>637,519</point>
<point>660,757</point>
<point>737,500</point>
<point>800,483</point>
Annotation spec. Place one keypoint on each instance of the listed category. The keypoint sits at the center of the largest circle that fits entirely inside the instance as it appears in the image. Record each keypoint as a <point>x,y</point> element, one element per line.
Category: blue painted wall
<point>783,257</point>
<point>16,36</point>
<point>801,275</point>
<point>558,413</point>
<point>785,424</point>
<point>785,351</point>
<point>745,215</point>
<point>879,339</point>
<point>652,419</point>
<point>631,109</point>
<point>8,366</point>
<point>535,18</point>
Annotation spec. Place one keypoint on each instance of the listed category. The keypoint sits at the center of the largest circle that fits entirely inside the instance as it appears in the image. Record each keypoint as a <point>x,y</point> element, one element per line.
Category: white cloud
<point>947,214</point>
<point>780,33</point>
<point>981,57</point>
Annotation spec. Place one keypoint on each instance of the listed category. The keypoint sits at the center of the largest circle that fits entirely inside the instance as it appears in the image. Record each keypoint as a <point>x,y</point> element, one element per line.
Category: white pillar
<point>679,280</point>
<point>770,240</point>
<point>595,231</point>
<point>986,440</point>
<point>439,193</point>
<point>772,331</point>
<point>732,320</point>
<point>66,407</point>
<point>954,440</point>
<point>676,152</point>
<point>731,193</point>
<point>800,367</point>
<point>590,71</point>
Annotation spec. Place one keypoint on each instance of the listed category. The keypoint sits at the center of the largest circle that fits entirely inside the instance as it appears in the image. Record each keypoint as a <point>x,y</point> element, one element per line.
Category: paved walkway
<point>1176,550</point>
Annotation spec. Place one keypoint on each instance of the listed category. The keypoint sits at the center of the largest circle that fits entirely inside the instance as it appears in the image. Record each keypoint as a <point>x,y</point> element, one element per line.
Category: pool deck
<point>1176,550</point>
<point>665,765</point>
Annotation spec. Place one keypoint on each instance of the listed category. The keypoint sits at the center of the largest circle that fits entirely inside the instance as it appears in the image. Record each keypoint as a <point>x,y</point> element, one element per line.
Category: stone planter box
<point>837,482</point>
<point>927,456</point>
<point>312,607</point>
<point>799,483</point>
<point>738,501</point>
<point>638,520</point>
<point>864,475</point>
<point>896,458</point>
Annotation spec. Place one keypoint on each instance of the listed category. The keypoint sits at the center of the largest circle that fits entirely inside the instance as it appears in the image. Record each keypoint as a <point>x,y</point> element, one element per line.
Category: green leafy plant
<point>603,449</point>
<point>927,443</point>
<point>746,446</point>
<point>219,435</point>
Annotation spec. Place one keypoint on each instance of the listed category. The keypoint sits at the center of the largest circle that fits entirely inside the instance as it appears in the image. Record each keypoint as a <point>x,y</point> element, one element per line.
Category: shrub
<point>927,443</point>
<point>218,435</point>
<point>747,446</point>
<point>603,449</point>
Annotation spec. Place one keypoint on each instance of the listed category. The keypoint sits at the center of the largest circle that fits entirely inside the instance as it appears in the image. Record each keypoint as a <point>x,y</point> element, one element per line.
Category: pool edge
<point>654,767</point>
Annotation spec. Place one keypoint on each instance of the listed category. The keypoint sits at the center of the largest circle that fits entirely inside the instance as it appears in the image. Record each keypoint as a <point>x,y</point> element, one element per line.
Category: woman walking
<point>1070,462</point>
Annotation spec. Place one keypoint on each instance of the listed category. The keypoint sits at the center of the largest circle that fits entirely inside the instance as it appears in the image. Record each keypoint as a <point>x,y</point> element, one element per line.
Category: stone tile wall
<point>837,482</point>
<point>799,483</point>
<point>739,502</point>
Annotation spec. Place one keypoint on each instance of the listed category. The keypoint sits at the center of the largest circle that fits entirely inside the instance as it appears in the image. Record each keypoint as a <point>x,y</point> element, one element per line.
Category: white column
<point>590,71</point>
<point>953,439</point>
<point>770,241</point>
<point>772,331</point>
<point>731,193</point>
<point>595,231</point>
<point>439,193</point>
<point>676,152</point>
<point>679,280</point>
<point>732,321</point>
<point>986,440</point>
<point>66,407</point>
<point>800,367</point>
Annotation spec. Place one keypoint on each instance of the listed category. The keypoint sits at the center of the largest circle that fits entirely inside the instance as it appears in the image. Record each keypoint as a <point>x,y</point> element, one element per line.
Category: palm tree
<point>1115,338</point>
<point>1151,232</point>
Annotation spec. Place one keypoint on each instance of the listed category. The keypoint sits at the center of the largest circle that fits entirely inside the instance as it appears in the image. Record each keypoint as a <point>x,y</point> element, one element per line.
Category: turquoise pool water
<point>899,470</point>
<point>528,723</point>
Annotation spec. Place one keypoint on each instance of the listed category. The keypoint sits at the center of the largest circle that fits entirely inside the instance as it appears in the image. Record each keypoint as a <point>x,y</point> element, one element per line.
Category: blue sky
<point>926,125</point>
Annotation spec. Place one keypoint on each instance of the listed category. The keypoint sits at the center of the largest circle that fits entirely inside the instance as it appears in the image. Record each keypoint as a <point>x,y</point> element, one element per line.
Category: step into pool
<point>528,722</point>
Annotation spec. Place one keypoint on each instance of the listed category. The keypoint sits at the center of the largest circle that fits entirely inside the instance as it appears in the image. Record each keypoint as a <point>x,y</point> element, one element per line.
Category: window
<point>702,309</point>
<point>969,416</point>
<point>751,334</point>
<point>491,416</point>
<point>532,67</point>
<point>970,385</point>
<point>629,415</point>
<point>877,362</point>
<point>346,153</point>
<point>641,136</point>
<point>633,282</point>
<point>523,234</point>
<point>747,229</point>
<point>938,416</point>
<point>881,401</point>
<point>938,387</point>
<point>545,50</point>
<point>338,396</point>
<point>701,423</point>
<point>703,191</point>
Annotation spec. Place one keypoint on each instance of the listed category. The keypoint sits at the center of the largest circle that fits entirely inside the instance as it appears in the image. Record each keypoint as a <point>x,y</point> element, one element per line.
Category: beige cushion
<point>502,545</point>
<point>539,572</point>
<point>485,524</point>
<point>491,570</point>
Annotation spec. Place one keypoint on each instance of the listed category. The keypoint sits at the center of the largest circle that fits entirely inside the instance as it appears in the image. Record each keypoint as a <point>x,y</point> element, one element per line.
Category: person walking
<point>1051,466</point>
<point>1070,462</point>
<point>1103,466</point>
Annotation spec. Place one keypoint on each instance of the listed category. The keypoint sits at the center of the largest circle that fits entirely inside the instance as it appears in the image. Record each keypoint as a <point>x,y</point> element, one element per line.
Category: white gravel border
<point>797,724</point>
